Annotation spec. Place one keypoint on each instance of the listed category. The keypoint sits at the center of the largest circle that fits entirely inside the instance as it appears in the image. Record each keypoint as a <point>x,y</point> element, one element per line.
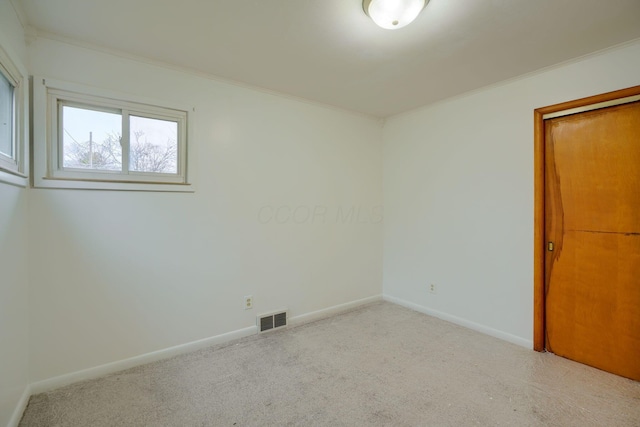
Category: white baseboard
<point>332,311</point>
<point>20,407</point>
<point>462,322</point>
<point>109,368</point>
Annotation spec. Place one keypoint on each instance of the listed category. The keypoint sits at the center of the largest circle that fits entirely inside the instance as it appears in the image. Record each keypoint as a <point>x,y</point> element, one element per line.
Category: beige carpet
<point>381,365</point>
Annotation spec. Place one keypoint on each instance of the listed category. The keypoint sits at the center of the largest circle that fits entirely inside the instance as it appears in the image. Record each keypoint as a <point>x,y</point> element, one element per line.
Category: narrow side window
<point>12,121</point>
<point>7,119</point>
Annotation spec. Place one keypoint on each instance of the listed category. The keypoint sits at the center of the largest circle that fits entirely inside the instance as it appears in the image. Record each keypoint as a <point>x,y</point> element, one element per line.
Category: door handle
<point>550,246</point>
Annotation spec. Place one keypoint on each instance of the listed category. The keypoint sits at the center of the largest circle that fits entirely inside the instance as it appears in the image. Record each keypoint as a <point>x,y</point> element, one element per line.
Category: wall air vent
<point>275,320</point>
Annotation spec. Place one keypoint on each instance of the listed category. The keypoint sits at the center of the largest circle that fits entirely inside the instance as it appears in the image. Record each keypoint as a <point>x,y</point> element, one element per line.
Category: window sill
<point>68,184</point>
<point>13,178</point>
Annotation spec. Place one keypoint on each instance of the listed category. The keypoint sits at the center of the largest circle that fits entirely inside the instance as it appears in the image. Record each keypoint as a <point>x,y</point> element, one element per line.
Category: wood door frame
<point>539,244</point>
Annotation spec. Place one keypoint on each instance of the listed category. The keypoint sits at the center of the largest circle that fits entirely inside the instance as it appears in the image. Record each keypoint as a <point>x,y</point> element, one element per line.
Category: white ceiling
<point>329,51</point>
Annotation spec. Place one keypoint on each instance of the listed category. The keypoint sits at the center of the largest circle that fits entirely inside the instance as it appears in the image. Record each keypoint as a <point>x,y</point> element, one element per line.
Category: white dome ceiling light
<point>393,14</point>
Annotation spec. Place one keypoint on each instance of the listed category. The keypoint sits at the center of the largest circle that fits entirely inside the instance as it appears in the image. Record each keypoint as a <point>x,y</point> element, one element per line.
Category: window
<point>7,118</point>
<point>98,140</point>
<point>12,103</point>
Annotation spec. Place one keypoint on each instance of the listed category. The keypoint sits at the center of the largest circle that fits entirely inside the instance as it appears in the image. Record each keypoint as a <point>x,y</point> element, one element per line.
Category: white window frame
<point>13,170</point>
<point>49,96</point>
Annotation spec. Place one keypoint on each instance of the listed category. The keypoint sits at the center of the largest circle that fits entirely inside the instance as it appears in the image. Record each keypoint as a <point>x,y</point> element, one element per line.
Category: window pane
<point>6,117</point>
<point>91,139</point>
<point>154,145</point>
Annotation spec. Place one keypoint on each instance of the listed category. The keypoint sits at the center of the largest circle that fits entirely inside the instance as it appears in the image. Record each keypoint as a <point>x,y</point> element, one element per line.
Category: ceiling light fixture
<point>393,14</point>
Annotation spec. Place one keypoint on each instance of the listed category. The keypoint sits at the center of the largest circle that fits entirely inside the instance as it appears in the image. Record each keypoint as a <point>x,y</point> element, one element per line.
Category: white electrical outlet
<point>432,288</point>
<point>248,302</point>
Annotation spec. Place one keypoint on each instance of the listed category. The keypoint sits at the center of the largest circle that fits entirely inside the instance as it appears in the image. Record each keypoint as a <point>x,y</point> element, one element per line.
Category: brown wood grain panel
<point>539,251</point>
<point>592,214</point>
<point>594,315</point>
<point>538,234</point>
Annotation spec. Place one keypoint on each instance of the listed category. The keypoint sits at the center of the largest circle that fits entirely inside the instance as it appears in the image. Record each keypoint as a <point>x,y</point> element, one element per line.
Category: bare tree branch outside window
<point>147,157</point>
<point>144,156</point>
<point>90,154</point>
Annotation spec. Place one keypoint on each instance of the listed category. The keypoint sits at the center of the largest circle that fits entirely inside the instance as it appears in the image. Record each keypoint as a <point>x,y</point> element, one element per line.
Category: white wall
<point>458,189</point>
<point>14,320</point>
<point>14,375</point>
<point>125,273</point>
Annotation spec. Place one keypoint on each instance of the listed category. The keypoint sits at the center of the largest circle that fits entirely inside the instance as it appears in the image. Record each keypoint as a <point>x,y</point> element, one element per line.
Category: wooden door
<point>592,229</point>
